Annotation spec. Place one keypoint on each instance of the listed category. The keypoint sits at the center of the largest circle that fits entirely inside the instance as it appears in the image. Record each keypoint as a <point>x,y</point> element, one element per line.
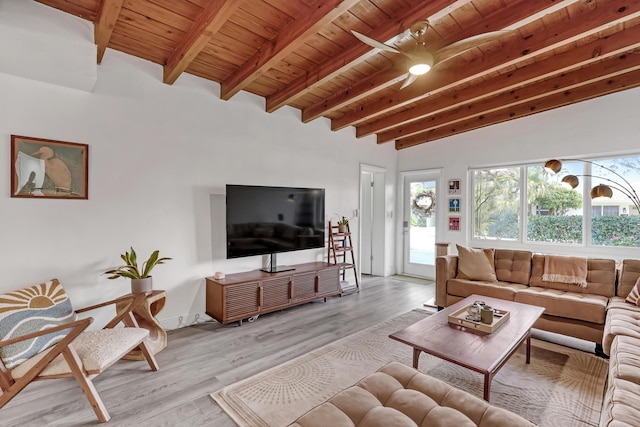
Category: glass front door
<point>420,201</point>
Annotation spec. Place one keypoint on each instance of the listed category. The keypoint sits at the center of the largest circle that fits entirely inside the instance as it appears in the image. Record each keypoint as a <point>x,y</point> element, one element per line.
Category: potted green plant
<point>342,224</point>
<point>141,280</point>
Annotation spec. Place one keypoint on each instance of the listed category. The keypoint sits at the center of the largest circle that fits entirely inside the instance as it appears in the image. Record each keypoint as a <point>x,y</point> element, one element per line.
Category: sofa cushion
<point>624,363</point>
<point>513,266</point>
<point>601,277</point>
<point>398,395</point>
<point>30,310</point>
<point>475,264</point>
<point>634,294</point>
<point>571,305</point>
<point>620,406</point>
<point>502,290</point>
<point>629,274</point>
<point>622,319</point>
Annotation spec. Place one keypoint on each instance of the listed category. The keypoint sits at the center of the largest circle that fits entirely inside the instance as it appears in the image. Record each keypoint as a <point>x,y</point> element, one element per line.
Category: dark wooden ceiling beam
<point>419,118</point>
<point>104,25</point>
<point>555,35</point>
<point>289,39</point>
<point>203,29</point>
<point>592,90</point>
<point>357,52</point>
<point>498,20</point>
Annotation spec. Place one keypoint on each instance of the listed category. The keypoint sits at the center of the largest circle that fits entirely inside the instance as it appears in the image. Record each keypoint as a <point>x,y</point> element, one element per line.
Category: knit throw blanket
<point>565,269</point>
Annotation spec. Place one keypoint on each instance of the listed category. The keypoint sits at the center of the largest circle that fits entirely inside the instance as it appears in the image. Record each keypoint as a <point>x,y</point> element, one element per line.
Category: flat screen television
<point>269,220</point>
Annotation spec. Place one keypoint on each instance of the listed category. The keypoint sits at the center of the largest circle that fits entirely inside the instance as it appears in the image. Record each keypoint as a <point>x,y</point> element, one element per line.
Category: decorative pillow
<point>634,295</point>
<point>30,310</point>
<point>476,264</point>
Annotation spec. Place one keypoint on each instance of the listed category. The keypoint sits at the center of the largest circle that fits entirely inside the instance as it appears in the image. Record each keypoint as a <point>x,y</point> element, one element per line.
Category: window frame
<point>522,242</point>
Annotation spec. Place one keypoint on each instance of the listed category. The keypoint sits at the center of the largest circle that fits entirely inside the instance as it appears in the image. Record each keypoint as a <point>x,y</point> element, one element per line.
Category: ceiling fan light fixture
<point>419,69</point>
<point>420,60</point>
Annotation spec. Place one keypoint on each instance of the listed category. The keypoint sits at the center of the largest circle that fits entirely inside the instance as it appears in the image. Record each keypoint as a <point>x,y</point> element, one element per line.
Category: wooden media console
<point>244,295</point>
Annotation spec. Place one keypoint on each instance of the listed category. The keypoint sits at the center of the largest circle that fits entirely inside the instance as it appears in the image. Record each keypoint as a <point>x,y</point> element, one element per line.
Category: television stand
<point>274,267</point>
<point>252,293</point>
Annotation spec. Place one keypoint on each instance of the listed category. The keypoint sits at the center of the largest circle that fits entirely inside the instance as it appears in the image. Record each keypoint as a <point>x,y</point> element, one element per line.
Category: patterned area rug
<point>561,386</point>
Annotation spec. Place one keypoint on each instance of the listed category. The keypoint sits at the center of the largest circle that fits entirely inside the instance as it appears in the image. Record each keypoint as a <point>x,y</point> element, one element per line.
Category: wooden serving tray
<point>459,318</point>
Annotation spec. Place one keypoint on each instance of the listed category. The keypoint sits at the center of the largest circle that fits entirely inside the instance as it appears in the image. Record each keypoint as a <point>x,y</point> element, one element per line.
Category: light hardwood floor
<point>204,358</point>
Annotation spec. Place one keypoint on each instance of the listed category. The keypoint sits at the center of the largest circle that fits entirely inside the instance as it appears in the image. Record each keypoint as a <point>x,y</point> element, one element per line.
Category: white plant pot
<point>141,285</point>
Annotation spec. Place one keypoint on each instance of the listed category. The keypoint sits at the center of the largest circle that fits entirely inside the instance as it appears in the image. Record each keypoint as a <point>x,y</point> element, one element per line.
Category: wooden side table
<point>145,314</point>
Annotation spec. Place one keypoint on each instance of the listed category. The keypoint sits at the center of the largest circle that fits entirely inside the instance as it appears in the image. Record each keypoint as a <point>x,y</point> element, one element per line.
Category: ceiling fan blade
<point>410,79</point>
<point>455,49</point>
<point>374,43</point>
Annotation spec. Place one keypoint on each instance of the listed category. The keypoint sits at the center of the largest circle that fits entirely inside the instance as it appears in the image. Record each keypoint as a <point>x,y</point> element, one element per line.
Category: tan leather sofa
<point>400,396</point>
<point>622,342</point>
<point>569,309</point>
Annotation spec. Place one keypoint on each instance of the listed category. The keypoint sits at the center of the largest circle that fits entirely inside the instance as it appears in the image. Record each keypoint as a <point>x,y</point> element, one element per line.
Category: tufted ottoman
<point>398,396</point>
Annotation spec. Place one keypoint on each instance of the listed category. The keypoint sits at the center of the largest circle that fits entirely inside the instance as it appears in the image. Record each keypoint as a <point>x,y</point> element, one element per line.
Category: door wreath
<point>424,203</point>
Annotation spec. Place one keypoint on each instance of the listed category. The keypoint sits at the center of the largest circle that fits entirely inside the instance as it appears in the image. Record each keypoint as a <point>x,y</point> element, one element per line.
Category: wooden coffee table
<point>479,351</point>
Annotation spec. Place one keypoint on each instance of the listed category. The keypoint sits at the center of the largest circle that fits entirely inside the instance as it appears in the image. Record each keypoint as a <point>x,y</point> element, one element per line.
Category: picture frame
<point>49,169</point>
<point>454,186</point>
<point>454,223</point>
<point>454,204</point>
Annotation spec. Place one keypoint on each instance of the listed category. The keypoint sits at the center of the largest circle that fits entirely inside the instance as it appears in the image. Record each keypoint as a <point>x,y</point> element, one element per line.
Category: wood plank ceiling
<point>301,53</point>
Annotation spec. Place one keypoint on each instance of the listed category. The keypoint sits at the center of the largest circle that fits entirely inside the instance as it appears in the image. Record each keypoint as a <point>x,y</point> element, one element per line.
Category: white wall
<point>66,56</point>
<point>158,156</point>
<point>603,126</point>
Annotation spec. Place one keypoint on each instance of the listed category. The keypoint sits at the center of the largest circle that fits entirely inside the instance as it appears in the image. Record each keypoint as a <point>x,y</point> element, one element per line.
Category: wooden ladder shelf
<point>340,244</point>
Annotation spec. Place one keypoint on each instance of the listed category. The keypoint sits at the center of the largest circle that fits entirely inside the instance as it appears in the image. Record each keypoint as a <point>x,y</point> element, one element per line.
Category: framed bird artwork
<point>44,168</point>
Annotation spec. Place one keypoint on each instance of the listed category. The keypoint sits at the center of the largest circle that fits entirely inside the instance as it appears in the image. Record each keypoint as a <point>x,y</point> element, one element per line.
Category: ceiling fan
<point>421,59</point>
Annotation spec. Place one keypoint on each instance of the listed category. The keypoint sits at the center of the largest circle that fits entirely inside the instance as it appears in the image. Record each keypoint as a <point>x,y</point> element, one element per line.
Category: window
<point>496,204</point>
<point>554,213</point>
<point>622,175</point>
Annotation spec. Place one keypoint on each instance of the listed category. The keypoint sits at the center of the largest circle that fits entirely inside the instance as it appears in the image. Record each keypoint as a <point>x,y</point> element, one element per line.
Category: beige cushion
<point>476,264</point>
<point>629,274</point>
<point>400,396</point>
<point>502,290</point>
<point>571,305</point>
<point>513,266</point>
<point>634,295</point>
<point>624,363</point>
<point>622,319</point>
<point>620,406</point>
<point>97,349</point>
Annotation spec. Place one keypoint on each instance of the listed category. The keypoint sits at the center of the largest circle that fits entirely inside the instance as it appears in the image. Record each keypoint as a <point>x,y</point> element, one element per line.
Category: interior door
<point>420,223</point>
<point>372,220</point>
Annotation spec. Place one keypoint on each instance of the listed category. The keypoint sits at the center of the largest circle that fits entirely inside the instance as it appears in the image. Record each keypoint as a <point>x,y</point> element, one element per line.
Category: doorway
<point>420,223</point>
<point>372,220</point>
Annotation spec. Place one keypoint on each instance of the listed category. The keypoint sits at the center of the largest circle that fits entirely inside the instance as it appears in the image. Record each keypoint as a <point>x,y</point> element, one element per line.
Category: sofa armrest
<point>446,268</point>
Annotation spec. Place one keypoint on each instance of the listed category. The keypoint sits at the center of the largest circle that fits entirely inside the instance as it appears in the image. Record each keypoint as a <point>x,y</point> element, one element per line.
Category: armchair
<point>40,338</point>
